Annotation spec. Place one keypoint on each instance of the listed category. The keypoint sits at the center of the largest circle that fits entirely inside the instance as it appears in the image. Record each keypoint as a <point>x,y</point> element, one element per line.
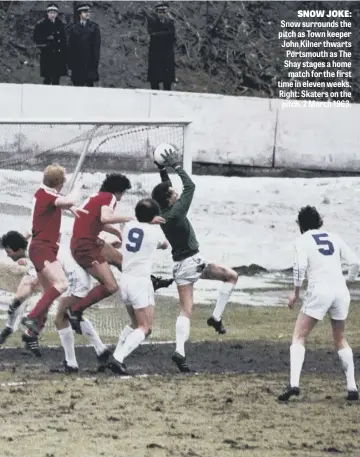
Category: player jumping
<point>189,265</point>
<point>318,253</point>
<point>86,245</point>
<point>46,222</point>
<point>141,240</point>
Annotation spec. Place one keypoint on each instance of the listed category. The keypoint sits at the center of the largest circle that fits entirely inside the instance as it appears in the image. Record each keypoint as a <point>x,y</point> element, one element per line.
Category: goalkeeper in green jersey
<point>189,265</point>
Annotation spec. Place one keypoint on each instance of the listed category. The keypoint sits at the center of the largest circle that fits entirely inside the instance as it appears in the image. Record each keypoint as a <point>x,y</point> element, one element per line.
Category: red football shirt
<point>89,225</point>
<point>46,217</point>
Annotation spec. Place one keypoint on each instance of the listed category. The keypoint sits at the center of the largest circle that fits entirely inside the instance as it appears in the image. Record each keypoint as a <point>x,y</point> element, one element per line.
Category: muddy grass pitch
<point>208,357</point>
<point>229,408</point>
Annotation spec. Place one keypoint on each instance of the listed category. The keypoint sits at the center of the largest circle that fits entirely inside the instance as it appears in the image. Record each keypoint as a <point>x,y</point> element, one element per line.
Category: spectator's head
<point>161,10</point>
<point>309,219</point>
<point>14,244</point>
<point>52,11</point>
<point>146,209</point>
<point>84,11</point>
<point>116,184</point>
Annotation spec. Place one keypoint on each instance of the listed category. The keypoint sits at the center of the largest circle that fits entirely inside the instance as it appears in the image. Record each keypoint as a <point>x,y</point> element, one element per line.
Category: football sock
<point>44,303</point>
<point>13,313</point>
<point>68,343</point>
<point>224,294</point>
<point>93,336</point>
<point>297,356</point>
<point>15,304</point>
<point>182,330</point>
<point>131,343</point>
<point>95,295</point>
<point>347,361</point>
<point>124,334</point>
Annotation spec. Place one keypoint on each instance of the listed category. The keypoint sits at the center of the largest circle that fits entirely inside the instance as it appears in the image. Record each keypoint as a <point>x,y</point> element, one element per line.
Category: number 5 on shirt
<point>321,240</point>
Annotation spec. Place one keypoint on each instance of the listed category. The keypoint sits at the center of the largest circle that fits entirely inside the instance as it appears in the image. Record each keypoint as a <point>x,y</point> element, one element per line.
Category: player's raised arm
<point>351,259</point>
<point>163,173</point>
<point>108,216</point>
<point>182,205</point>
<point>68,201</point>
<point>113,230</point>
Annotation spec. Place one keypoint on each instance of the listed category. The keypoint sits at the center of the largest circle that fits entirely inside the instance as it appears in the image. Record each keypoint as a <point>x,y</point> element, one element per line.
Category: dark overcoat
<point>161,64</point>
<point>50,38</point>
<point>84,51</point>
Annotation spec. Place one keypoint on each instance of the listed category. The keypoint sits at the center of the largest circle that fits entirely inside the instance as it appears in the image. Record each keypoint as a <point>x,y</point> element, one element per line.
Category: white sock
<point>131,343</point>
<point>68,343</point>
<point>11,320</point>
<point>224,294</point>
<point>182,330</point>
<point>93,336</point>
<point>297,356</point>
<point>124,334</point>
<point>347,361</point>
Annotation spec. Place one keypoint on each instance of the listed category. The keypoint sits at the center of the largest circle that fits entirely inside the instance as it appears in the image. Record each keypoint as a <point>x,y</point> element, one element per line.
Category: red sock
<point>42,306</point>
<point>95,295</point>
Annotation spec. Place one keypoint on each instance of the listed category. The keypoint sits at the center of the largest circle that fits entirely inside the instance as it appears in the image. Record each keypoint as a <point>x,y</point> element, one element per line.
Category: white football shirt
<point>319,254</point>
<point>140,242</point>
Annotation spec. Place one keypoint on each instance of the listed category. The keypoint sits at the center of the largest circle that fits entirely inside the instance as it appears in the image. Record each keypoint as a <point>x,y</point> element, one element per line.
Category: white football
<point>159,150</point>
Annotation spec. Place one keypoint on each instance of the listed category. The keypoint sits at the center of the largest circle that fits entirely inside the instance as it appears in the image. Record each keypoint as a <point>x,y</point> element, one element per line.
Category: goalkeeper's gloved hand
<point>160,167</point>
<point>171,159</point>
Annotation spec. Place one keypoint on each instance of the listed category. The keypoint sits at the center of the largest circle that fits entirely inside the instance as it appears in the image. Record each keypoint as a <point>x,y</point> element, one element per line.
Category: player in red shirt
<point>86,245</point>
<point>46,222</point>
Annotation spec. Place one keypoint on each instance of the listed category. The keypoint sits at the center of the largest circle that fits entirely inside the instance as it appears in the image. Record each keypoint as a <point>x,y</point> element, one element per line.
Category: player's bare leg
<point>52,274</point>
<point>24,291</point>
<point>142,319</point>
<point>182,326</point>
<point>303,327</point>
<point>229,278</point>
<point>107,287</point>
<point>346,357</point>
<point>112,255</point>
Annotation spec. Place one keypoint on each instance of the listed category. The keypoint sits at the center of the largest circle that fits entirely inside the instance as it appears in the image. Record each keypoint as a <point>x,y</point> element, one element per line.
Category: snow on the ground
<point>238,221</point>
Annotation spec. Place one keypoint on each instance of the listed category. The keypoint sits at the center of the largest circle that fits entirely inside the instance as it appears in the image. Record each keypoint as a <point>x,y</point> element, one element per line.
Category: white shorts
<point>189,270</point>
<point>79,282</point>
<point>320,300</point>
<point>137,291</point>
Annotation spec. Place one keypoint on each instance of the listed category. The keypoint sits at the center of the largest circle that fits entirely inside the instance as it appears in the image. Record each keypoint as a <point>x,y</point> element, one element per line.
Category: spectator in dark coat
<point>50,38</point>
<point>161,66</point>
<point>84,49</point>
